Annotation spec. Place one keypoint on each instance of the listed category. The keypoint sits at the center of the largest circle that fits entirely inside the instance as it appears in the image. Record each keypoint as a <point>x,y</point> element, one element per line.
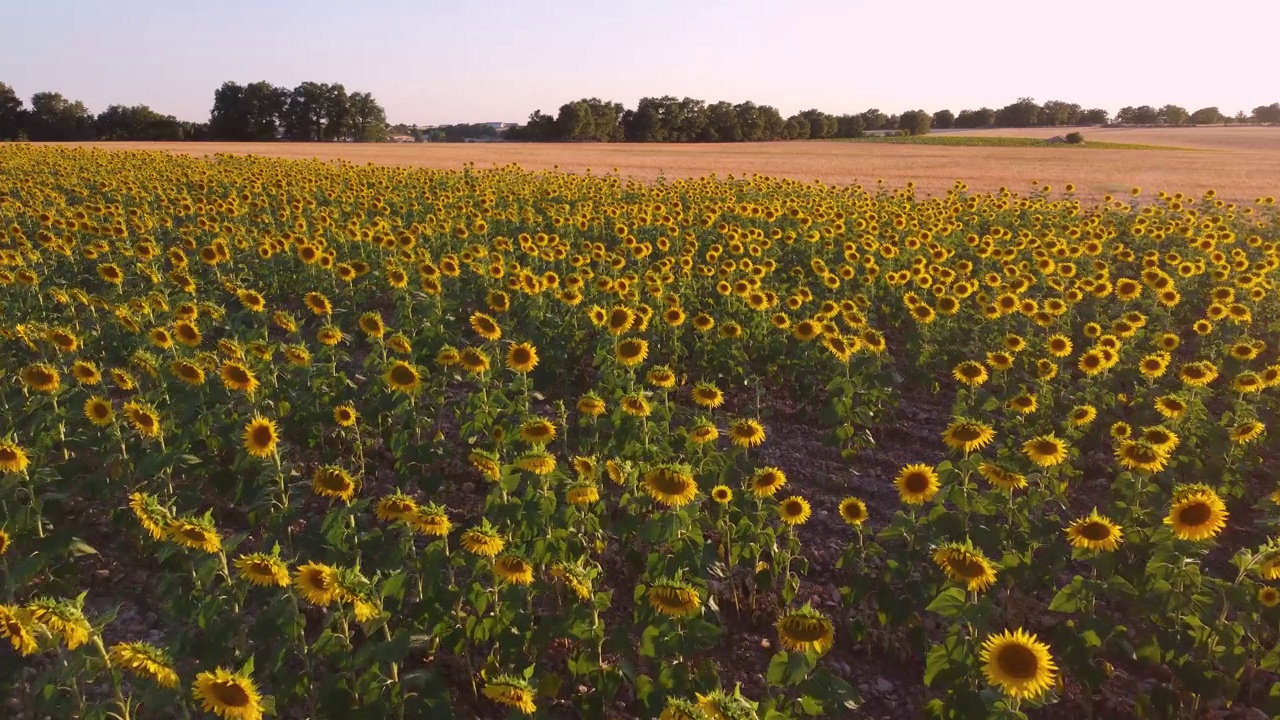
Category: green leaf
<point>949,603</point>
<point>777,669</point>
<point>650,634</point>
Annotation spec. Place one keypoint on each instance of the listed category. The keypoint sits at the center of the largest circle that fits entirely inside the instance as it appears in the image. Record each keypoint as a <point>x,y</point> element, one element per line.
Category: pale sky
<point>432,62</point>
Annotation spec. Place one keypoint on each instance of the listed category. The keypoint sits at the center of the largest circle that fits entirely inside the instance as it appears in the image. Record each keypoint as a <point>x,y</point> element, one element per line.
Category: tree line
<point>241,113</point>
<point>668,119</point>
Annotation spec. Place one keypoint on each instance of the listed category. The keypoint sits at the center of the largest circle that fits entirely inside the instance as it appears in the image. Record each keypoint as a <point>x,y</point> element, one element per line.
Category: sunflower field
<point>315,440</point>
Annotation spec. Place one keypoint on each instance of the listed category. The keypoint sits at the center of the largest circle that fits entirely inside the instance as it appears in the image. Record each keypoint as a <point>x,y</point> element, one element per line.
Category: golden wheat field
<point>1241,163</point>
<point>285,438</point>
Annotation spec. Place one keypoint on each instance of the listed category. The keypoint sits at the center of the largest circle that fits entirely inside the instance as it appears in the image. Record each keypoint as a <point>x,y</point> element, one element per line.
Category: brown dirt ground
<point>1240,163</point>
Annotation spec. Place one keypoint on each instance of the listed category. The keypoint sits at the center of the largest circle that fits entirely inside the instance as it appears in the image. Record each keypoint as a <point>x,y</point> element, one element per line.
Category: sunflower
<point>474,360</point>
<point>636,405</point>
<point>680,709</point>
<point>965,564</point>
<point>1198,515</point>
<point>1269,597</point>
<point>123,380</point>
<point>232,696</point>
<point>297,355</point>
<point>143,417</point>
<point>746,433</point>
<point>448,356</point>
<point>329,336</point>
<point>187,333</point>
<point>1198,374</point>
<point>674,598</point>
<point>583,493</point>
<point>13,458</point>
<point>512,692</point>
<point>967,436</point>
<point>345,415</point>
<point>707,395</point>
<point>1006,480</point>
<point>145,660</point>
<point>394,507</point>
<point>4,541</point>
<point>483,540</point>
<point>522,357</point>
<point>671,485</point>
<point>537,431</point>
<point>17,625</point>
<point>485,326</point>
<point>161,338</point>
<point>86,373</point>
<point>371,324</point>
<point>853,511</point>
<point>620,320</point>
<point>63,618</point>
<point>538,463</point>
<point>1247,431</point>
<point>317,583</point>
<point>970,373</point>
<point>1154,365</point>
<point>332,481</point>
<point>151,515</point>
<point>794,510</point>
<point>661,377</point>
<point>1082,415</point>
<point>1023,404</point>
<point>262,570</point>
<point>1162,439</point>
<point>1059,346</point>
<point>591,405</point>
<point>403,377</point>
<point>767,481</point>
<point>1170,406</point>
<point>261,435</point>
<point>1018,663</point>
<point>806,630</point>
<point>237,376</point>
<point>41,377</point>
<point>188,372</point>
<point>632,351</point>
<point>195,533</point>
<point>703,431</point>
<point>1045,450</point>
<point>513,570</point>
<point>1141,455</point>
<point>917,484</point>
<point>722,495</point>
<point>1095,532</point>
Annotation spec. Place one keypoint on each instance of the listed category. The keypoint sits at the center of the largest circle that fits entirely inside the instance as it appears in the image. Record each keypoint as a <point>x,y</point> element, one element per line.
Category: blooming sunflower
<point>917,484</point>
<point>537,431</point>
<point>619,320</point>
<point>511,692</point>
<point>41,377</point>
<point>1268,597</point>
<point>13,458</point>
<point>332,481</point>
<point>583,493</point>
<point>1198,374</point>
<point>142,416</point>
<point>965,564</point>
<point>63,618</point>
<point>1141,455</point>
<point>671,485</point>
<point>1023,404</point>
<point>661,377</point>
<point>345,415</point>
<point>746,433</point>
<point>485,326</point>
<point>632,351</point>
<point>474,360</point>
<point>970,373</point>
<point>1045,450</point>
<point>522,357</point>
<point>636,405</point>
<point>371,324</point>
<point>483,540</point>
<point>767,481</point>
<point>674,598</point>
<point>513,570</point>
<point>232,696</point>
<point>195,533</point>
<point>188,372</point>
<point>86,373</point>
<point>794,510</point>
<point>261,436</point>
<point>17,625</point>
<point>703,431</point>
<point>403,377</point>
<point>237,376</point>
<point>853,511</point>
<point>1018,663</point>
<point>317,583</point>
<point>1095,532</point>
<point>1197,515</point>
<point>146,661</point>
<point>1082,415</point>
<point>707,395</point>
<point>1247,431</point>
<point>262,570</point>
<point>967,436</point>
<point>806,630</point>
<point>722,494</point>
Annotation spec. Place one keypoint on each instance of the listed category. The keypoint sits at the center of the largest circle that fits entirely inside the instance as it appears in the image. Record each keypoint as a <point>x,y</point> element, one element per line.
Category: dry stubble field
<point>1240,163</point>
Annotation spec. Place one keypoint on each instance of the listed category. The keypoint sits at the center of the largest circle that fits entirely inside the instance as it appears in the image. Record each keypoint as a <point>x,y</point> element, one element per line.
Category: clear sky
<point>432,62</point>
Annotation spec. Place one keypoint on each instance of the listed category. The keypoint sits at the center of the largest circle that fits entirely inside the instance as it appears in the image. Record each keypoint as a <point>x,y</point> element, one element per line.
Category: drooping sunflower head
<point>672,485</point>
<point>195,533</point>
<point>431,520</point>
<point>1095,532</point>
<point>746,433</point>
<point>661,377</point>
<point>591,405</point>
<point>674,598</point>
<point>474,360</point>
<point>483,540</point>
<point>262,570</point>
<point>513,569</point>
<point>512,692</point>
<point>332,481</point>
<point>703,431</point>
<point>537,462</point>
<point>1018,663</point>
<point>967,435</point>
<point>707,395</point>
<point>145,661</point>
<point>1141,455</point>
<point>1002,478</point>
<point>318,583</point>
<point>967,565</point>
<point>537,431</point>
<point>636,405</point>
<point>395,507</point>
<point>13,457</point>
<point>64,618</point>
<point>41,377</point>
<point>232,696</point>
<point>806,630</point>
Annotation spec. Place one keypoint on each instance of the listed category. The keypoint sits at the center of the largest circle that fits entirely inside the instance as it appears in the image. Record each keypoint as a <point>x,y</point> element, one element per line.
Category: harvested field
<point>1244,165</point>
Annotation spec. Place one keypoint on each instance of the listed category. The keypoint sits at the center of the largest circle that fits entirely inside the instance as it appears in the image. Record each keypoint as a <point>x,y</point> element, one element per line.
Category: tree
<point>1172,115</point>
<point>850,126</point>
<point>305,112</point>
<point>247,113</point>
<point>54,118</point>
<point>1095,116</point>
<point>1269,114</point>
<point>1023,113</point>
<point>1057,112</point>
<point>1207,116</point>
<point>873,119</point>
<point>983,117</point>
<point>1141,115</point>
<point>590,119</point>
<point>11,113</point>
<point>367,121</point>
<point>137,122</point>
<point>944,119</point>
<point>915,122</point>
<point>336,110</point>
<point>722,123</point>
